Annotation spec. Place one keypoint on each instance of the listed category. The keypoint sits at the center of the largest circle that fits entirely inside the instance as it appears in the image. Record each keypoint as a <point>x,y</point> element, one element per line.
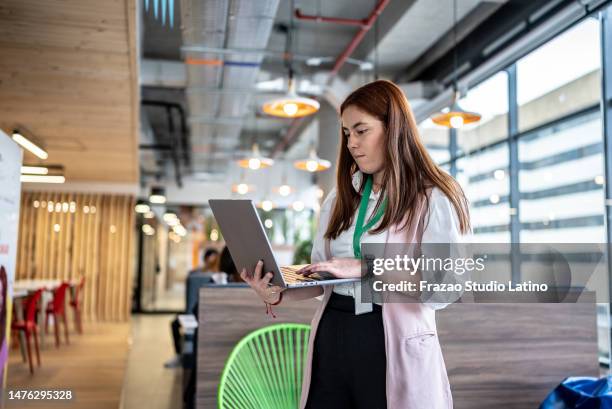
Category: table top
<point>35,284</point>
<point>19,294</point>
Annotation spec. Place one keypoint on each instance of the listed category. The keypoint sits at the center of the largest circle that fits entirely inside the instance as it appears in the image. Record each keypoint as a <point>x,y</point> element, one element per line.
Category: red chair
<point>57,308</point>
<point>29,327</point>
<point>76,304</point>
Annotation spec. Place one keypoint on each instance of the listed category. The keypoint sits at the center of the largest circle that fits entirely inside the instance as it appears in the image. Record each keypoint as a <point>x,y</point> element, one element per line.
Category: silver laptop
<point>246,239</point>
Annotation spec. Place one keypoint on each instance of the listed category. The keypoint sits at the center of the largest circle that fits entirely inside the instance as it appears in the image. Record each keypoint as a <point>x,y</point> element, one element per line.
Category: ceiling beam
<point>472,46</point>
<point>445,43</point>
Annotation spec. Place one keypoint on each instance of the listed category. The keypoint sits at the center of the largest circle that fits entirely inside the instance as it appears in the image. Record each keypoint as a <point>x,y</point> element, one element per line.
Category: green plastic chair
<point>265,369</point>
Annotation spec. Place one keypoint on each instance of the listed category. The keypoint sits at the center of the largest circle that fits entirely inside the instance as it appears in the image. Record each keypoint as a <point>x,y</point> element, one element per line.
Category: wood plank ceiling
<point>69,75</point>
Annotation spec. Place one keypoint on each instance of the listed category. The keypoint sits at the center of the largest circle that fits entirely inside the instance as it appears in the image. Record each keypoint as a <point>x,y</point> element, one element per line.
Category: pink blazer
<point>416,374</point>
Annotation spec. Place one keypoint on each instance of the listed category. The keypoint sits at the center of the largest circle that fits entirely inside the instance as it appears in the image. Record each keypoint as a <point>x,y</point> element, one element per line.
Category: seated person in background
<point>226,265</point>
<point>211,260</point>
<point>211,267</point>
<point>208,269</point>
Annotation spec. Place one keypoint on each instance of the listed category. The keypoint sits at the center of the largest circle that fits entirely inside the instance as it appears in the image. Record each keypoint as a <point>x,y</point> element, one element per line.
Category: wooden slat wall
<point>96,239</point>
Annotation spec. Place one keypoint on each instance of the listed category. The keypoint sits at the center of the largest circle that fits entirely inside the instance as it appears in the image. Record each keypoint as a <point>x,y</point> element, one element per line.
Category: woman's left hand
<point>338,267</point>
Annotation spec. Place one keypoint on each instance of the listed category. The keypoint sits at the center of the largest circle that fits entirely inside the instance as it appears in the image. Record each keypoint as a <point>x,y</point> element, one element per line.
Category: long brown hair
<point>409,170</point>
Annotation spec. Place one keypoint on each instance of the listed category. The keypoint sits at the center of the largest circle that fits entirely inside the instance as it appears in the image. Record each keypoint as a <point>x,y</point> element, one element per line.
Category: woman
<point>389,357</point>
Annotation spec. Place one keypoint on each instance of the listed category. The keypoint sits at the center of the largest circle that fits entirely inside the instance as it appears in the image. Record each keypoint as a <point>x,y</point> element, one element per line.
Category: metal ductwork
<point>150,160</point>
<point>217,110</point>
<point>161,73</point>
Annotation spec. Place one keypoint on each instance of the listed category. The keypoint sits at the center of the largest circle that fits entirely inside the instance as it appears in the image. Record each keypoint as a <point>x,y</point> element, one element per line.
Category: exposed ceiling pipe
<point>359,36</point>
<point>271,54</point>
<point>175,155</point>
<point>150,159</point>
<point>162,73</point>
<point>182,140</point>
<point>336,20</point>
<point>290,136</point>
<point>155,147</point>
<point>365,25</point>
<point>224,45</point>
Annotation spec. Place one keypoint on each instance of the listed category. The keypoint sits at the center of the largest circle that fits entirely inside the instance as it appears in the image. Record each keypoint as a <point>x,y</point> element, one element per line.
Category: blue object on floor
<point>577,392</point>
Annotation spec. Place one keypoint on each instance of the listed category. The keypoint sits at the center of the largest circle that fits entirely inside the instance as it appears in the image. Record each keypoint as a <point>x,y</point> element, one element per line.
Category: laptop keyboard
<point>290,274</point>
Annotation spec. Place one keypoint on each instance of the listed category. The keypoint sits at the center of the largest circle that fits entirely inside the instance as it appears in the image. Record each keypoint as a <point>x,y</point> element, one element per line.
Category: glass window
<point>484,178</point>
<point>489,99</point>
<point>436,139</point>
<point>561,165</point>
<point>483,174</point>
<point>561,182</point>
<point>560,77</point>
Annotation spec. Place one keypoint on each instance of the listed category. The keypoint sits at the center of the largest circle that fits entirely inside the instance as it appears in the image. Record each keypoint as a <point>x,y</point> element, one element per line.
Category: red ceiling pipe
<point>365,25</point>
<point>289,137</point>
<point>358,37</point>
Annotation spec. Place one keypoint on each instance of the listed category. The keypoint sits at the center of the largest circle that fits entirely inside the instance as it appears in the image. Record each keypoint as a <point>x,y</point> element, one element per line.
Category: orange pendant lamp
<point>456,117</point>
<point>255,161</point>
<point>242,187</point>
<point>313,163</point>
<point>291,105</point>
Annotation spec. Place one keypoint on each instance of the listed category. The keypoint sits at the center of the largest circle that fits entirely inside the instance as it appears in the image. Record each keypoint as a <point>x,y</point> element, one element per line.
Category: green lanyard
<point>360,228</point>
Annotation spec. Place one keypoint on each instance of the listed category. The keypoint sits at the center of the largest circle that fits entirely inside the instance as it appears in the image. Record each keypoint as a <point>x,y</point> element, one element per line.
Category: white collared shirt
<point>442,227</point>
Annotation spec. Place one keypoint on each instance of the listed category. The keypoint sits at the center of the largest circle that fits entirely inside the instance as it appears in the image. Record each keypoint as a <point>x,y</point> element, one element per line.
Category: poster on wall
<point>10,194</point>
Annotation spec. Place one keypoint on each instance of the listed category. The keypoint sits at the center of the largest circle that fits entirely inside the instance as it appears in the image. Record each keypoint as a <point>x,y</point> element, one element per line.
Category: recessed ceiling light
<point>35,170</point>
<point>42,179</point>
<point>27,144</point>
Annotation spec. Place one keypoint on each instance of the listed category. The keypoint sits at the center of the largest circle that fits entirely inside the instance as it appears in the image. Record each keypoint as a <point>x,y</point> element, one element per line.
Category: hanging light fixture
<point>158,195</point>
<point>284,189</point>
<point>298,206</point>
<point>266,205</point>
<point>242,187</point>
<point>456,116</point>
<point>29,144</point>
<point>291,105</point>
<point>42,174</point>
<point>171,218</point>
<point>255,161</point>
<point>34,170</point>
<point>42,179</point>
<point>313,163</point>
<point>142,207</point>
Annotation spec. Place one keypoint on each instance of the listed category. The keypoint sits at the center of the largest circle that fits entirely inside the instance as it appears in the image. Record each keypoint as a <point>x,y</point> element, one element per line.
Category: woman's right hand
<point>268,294</point>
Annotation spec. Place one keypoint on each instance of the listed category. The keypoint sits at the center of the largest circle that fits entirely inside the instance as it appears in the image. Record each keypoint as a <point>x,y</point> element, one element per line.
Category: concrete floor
<point>147,383</point>
<point>172,299</point>
<point>92,367</point>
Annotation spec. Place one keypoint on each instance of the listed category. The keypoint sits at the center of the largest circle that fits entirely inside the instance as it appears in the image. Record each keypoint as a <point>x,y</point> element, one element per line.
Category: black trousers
<point>176,335</point>
<point>349,361</point>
